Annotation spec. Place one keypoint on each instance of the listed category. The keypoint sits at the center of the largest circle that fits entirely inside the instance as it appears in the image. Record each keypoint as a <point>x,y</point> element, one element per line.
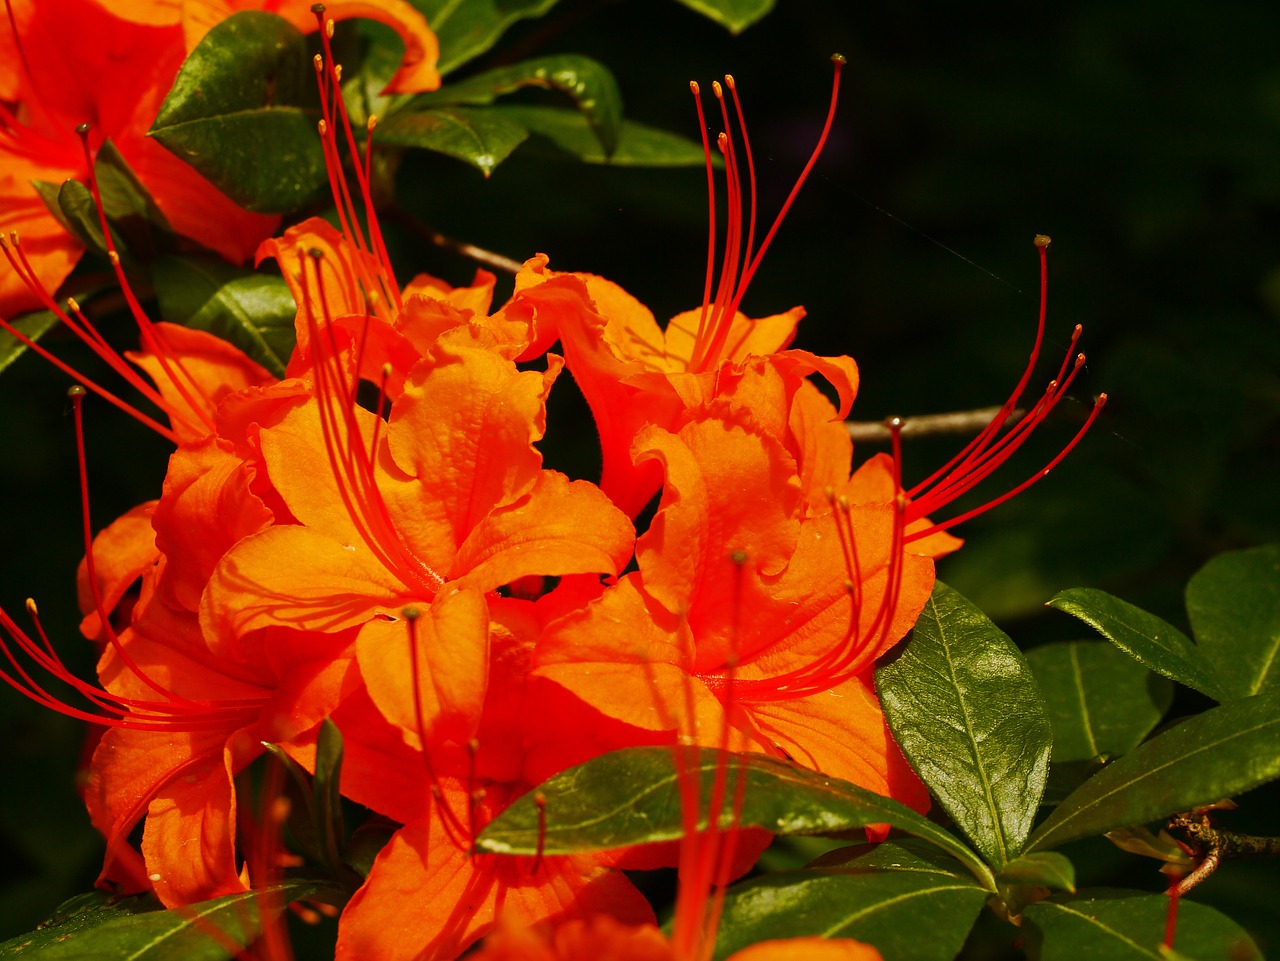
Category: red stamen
<point>986,452</point>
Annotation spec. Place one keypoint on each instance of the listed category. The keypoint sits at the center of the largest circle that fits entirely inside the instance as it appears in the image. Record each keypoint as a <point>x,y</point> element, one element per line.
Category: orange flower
<point>58,85</point>
<point>750,611</point>
<point>634,373</point>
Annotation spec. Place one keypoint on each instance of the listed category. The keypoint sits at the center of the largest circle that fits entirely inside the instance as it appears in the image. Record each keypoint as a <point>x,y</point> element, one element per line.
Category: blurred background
<point>1143,137</point>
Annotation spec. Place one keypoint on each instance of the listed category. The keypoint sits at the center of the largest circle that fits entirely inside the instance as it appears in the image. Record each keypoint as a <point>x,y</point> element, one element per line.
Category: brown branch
<point>497,261</point>
<point>928,425</point>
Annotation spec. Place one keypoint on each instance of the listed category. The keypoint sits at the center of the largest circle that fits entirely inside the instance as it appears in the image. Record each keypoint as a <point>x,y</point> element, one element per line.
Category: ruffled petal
<point>122,553</point>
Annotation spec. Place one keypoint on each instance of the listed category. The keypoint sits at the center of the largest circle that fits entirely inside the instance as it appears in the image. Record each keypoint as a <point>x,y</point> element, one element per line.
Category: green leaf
<point>588,82</point>
<point>481,137</point>
<point>566,134</point>
<point>1218,754</point>
<point>1129,926</point>
<point>128,204</point>
<point>1101,702</point>
<point>1234,606</point>
<point>467,28</point>
<point>91,929</point>
<point>77,212</point>
<point>1154,643</point>
<point>737,15</point>
<point>965,709</point>
<point>1047,869</point>
<point>328,799</point>
<point>632,796</point>
<point>243,112</point>
<point>33,326</point>
<point>253,311</point>
<point>882,908</point>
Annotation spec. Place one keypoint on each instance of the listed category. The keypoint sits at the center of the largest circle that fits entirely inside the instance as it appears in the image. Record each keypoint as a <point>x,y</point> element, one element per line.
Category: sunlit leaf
<point>480,137</point>
<point>1129,926</point>
<point>91,929</point>
<point>1221,753</point>
<point>1101,702</point>
<point>253,311</point>
<point>1153,642</point>
<point>966,711</point>
<point>880,907</point>
<point>32,326</point>
<point>1234,606</point>
<point>632,796</point>
<point>566,133</point>
<point>467,28</point>
<point>243,112</point>
<point>589,83</point>
<point>737,15</point>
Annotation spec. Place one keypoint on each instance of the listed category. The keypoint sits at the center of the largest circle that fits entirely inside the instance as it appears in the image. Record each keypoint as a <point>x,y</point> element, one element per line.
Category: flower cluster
<point>374,540</point>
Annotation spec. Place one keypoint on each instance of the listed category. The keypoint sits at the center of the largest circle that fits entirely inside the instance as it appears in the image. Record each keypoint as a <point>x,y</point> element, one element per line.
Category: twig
<point>402,217</point>
<point>927,425</point>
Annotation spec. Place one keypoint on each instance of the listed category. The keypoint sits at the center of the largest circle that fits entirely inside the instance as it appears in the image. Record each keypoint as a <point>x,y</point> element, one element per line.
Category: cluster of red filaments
<point>740,258</point>
<point>986,452</point>
<point>168,711</point>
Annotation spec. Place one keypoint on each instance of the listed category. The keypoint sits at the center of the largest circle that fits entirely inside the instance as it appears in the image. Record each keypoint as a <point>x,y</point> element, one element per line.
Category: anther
<point>371,122</point>
<point>114,258</point>
<point>73,305</point>
<point>717,90</point>
<point>1043,240</point>
<point>337,67</point>
<point>729,81</point>
<point>694,88</point>
<point>318,61</point>
<point>322,127</point>
<point>31,607</point>
<point>14,238</point>
<point>328,28</point>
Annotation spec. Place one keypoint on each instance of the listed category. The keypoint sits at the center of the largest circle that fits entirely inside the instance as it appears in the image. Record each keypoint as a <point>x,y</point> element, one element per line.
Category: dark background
<point>1144,137</point>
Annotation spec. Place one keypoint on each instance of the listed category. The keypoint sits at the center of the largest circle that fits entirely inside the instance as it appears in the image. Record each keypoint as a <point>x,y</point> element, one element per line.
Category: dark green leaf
<point>32,326</point>
<point>565,133</point>
<point>1101,702</point>
<point>467,28</point>
<point>209,931</point>
<point>903,854</point>
<point>1234,606</point>
<point>253,311</point>
<point>1047,869</point>
<point>1129,926</point>
<point>243,112</point>
<point>966,711</point>
<point>589,83</point>
<point>632,796</point>
<point>481,137</point>
<point>882,908</point>
<point>1221,753</point>
<point>79,215</point>
<point>737,15</point>
<point>127,202</point>
<point>1157,645</point>
<point>328,799</point>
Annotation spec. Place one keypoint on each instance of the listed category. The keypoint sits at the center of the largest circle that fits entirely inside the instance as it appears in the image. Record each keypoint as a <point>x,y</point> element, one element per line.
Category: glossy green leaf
<point>737,15</point>
<point>1153,642</point>
<point>1129,926</point>
<point>1047,869</point>
<point>77,212</point>
<point>467,28</point>
<point>136,929</point>
<point>1234,606</point>
<point>589,83</point>
<point>966,711</point>
<point>1101,702</point>
<point>33,326</point>
<point>902,854</point>
<point>253,311</point>
<point>1218,754</point>
<point>566,134</point>
<point>481,137</point>
<point>880,907</point>
<point>632,796</point>
<point>243,112</point>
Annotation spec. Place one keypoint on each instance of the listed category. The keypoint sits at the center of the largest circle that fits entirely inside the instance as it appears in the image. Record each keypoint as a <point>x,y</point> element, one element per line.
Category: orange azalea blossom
<point>57,84</point>
<point>428,895</point>
<point>197,17</point>
<point>757,616</point>
<point>634,373</point>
